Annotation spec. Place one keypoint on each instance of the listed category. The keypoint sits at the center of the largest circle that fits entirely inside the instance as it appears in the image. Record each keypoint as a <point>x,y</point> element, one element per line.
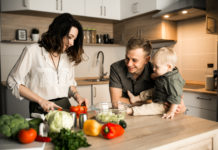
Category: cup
<point>210,83</point>
<point>82,119</point>
<point>35,37</point>
<point>73,114</point>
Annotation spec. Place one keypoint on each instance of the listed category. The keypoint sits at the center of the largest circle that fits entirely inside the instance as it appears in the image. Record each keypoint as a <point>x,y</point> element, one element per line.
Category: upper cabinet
<point>75,7</point>
<point>153,29</point>
<point>133,8</point>
<point>54,6</point>
<point>212,17</point>
<point>107,9</point>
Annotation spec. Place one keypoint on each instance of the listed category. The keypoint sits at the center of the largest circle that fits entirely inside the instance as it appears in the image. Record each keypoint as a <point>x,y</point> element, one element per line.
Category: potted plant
<point>35,34</point>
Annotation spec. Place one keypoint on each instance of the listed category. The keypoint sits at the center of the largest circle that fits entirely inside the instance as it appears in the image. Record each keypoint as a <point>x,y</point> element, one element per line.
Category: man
<point>133,73</point>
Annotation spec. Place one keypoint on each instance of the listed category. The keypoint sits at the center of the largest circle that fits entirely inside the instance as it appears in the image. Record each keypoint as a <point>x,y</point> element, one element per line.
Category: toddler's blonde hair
<point>165,56</point>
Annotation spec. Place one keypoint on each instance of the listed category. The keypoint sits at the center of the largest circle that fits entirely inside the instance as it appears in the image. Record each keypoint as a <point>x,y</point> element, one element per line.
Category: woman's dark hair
<point>52,40</point>
<point>134,43</point>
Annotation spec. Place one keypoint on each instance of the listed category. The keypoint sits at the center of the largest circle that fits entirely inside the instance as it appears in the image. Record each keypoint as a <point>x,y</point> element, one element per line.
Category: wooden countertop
<point>152,132</point>
<point>191,86</point>
<point>198,87</point>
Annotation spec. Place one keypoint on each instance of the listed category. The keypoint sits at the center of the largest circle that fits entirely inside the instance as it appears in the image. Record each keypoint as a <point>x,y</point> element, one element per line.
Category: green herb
<point>68,140</point>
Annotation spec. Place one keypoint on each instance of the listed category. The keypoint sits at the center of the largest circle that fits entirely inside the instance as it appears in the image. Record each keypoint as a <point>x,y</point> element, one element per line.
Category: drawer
<point>205,101</point>
<point>201,113</point>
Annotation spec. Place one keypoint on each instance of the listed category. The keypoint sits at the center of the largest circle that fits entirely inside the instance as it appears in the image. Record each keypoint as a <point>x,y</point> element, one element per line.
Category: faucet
<point>102,74</point>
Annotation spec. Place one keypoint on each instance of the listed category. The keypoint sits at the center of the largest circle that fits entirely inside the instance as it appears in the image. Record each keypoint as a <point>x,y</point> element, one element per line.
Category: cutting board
<point>9,144</point>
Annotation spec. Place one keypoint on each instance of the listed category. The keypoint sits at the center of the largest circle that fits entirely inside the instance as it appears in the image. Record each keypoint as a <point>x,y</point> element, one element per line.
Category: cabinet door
<point>39,5</point>
<point>84,91</point>
<point>74,7</point>
<point>101,93</point>
<point>201,113</point>
<point>111,9</point>
<point>108,9</point>
<point>10,5</point>
<point>94,8</point>
<point>200,100</point>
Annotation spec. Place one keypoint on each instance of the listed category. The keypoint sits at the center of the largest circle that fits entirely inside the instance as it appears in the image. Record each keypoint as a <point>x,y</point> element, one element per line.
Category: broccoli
<point>10,125</point>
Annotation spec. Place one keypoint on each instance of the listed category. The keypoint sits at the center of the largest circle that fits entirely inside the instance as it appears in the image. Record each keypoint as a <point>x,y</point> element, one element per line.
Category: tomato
<point>78,110</point>
<point>27,135</point>
<point>59,109</point>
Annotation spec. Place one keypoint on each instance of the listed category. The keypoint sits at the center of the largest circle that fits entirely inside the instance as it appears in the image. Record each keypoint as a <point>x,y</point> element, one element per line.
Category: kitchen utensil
<point>74,119</point>
<point>82,119</point>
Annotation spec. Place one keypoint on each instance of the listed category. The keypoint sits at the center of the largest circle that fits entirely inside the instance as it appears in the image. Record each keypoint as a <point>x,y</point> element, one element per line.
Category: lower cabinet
<point>94,93</point>
<point>201,105</point>
<point>14,105</point>
<point>101,93</point>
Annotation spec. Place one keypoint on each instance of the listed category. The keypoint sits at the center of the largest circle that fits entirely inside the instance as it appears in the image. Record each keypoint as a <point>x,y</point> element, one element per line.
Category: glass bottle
<point>88,36</point>
<point>94,36</point>
<point>85,35</point>
<point>209,78</point>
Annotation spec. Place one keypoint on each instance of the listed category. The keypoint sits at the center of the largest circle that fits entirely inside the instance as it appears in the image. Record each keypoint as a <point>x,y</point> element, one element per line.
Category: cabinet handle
<point>206,99</point>
<point>105,11</point>
<point>135,7</point>
<point>94,91</point>
<point>101,11</point>
<point>56,4</point>
<point>61,5</point>
<point>25,3</point>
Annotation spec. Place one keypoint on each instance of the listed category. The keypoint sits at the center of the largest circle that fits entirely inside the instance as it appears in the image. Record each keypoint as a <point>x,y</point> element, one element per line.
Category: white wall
<point>11,52</point>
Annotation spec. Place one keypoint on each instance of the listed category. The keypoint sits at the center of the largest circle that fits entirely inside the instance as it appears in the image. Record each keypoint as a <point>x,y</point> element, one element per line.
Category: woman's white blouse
<point>35,70</point>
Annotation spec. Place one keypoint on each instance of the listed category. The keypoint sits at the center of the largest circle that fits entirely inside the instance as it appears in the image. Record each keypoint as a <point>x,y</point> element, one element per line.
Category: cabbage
<point>58,120</point>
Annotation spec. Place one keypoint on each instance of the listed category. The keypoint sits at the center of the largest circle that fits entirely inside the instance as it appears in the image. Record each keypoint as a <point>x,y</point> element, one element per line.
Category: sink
<point>96,80</point>
<point>193,86</point>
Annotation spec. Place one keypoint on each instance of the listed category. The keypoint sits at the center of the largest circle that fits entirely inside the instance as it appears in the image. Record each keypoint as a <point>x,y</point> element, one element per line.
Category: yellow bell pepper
<point>92,127</point>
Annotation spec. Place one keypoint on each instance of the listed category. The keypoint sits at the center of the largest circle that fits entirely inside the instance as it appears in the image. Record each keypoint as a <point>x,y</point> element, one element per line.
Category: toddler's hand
<point>168,115</point>
<point>129,111</point>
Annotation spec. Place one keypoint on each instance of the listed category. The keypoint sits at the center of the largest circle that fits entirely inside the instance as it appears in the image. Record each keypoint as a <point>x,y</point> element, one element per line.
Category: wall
<point>10,52</point>
<point>195,49</point>
<point>88,68</point>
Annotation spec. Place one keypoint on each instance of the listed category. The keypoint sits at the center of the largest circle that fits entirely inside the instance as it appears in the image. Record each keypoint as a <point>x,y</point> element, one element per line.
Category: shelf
<point>31,42</point>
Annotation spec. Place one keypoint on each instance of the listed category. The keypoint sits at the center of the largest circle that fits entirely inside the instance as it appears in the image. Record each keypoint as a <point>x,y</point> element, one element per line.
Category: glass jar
<point>93,36</point>
<point>88,36</point>
<point>209,78</point>
<point>85,35</point>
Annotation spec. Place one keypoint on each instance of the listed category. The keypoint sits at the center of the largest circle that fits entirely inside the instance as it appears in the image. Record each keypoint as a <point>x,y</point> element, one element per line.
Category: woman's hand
<point>81,100</point>
<point>47,105</point>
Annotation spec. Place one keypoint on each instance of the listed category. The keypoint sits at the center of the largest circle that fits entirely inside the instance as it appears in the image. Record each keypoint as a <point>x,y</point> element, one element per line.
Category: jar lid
<point>210,65</point>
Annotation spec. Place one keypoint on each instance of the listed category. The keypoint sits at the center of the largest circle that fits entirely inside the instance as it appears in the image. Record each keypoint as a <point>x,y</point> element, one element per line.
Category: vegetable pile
<point>68,140</point>
<point>10,125</point>
<point>78,110</point>
<point>109,116</point>
<point>108,130</point>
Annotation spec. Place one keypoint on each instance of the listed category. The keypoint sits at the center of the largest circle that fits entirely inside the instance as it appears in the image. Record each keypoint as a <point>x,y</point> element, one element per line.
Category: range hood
<point>183,9</point>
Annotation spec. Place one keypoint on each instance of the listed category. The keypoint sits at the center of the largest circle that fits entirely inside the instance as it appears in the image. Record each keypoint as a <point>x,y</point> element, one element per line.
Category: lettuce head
<point>58,120</point>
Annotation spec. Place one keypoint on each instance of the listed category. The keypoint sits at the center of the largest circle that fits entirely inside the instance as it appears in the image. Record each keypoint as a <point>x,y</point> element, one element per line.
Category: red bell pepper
<point>43,139</point>
<point>111,130</point>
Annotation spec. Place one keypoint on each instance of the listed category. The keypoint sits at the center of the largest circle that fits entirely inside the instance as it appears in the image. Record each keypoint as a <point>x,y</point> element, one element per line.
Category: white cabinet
<point>101,93</point>
<point>54,6</point>
<point>94,93</point>
<point>132,8</point>
<point>75,7</point>
<point>84,91</point>
<point>108,9</point>
<point>201,105</point>
<point>38,5</point>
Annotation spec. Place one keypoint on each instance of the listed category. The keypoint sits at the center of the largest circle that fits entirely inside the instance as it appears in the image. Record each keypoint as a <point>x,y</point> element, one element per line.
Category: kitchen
<point>190,44</point>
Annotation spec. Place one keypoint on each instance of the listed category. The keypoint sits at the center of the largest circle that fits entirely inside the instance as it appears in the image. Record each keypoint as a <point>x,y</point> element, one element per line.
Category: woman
<point>44,73</point>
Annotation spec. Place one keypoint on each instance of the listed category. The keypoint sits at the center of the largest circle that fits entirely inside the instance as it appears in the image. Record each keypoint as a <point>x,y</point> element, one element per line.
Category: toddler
<point>168,87</point>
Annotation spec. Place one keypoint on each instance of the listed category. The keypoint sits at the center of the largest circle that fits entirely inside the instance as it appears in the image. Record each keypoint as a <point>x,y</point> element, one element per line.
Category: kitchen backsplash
<point>195,48</point>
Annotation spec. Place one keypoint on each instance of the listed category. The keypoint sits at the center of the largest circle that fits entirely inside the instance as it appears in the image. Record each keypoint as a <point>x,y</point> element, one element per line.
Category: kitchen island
<point>152,132</point>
